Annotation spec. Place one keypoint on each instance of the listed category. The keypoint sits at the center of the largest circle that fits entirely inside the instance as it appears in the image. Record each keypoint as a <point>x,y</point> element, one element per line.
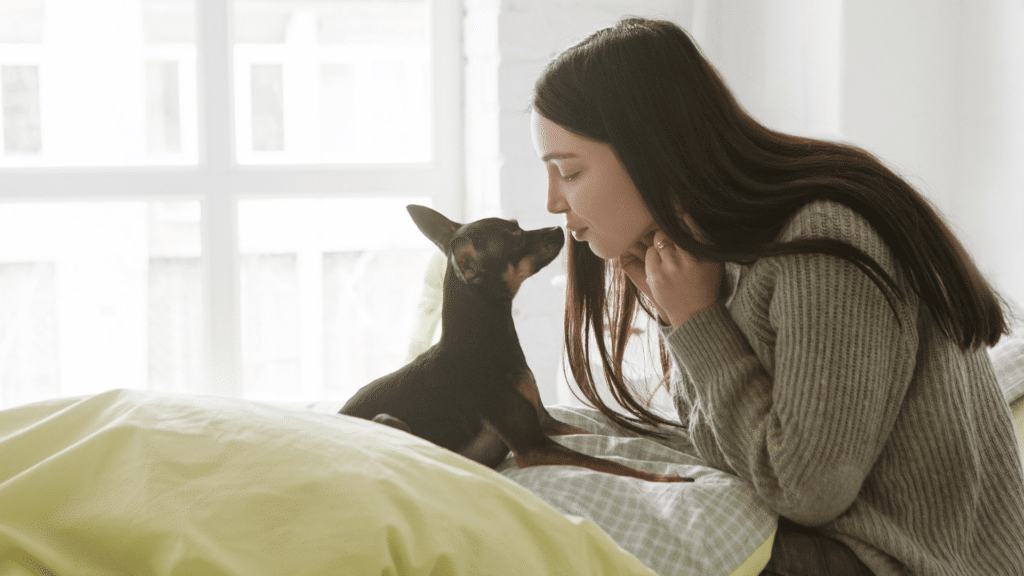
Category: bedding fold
<point>140,483</point>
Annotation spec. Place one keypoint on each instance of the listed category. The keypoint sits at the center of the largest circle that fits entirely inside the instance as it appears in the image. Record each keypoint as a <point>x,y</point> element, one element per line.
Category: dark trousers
<point>798,551</point>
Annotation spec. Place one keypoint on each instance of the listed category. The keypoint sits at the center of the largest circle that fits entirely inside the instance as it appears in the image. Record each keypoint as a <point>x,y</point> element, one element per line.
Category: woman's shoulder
<point>837,221</point>
<point>826,219</point>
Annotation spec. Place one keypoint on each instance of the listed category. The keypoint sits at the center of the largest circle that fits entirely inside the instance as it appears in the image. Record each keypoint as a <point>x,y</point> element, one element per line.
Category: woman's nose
<point>556,200</point>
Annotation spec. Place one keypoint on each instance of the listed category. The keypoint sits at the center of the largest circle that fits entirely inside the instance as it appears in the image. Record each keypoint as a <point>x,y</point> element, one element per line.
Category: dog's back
<point>430,395</point>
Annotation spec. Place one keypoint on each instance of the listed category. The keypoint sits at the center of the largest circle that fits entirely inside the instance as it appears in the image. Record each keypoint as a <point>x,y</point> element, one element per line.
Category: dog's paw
<point>392,421</point>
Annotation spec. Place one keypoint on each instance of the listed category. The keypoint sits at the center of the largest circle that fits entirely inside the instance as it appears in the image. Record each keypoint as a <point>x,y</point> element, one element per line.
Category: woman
<point>829,327</point>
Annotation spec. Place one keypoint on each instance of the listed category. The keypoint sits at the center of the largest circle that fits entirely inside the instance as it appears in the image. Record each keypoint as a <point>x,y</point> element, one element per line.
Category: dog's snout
<point>554,235</point>
<point>549,240</point>
<point>546,244</point>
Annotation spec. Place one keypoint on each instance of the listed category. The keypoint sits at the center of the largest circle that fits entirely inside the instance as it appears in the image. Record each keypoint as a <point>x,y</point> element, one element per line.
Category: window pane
<point>267,107</point>
<point>22,21</point>
<point>370,304</point>
<point>330,293</point>
<point>28,332</point>
<point>99,83</point>
<point>20,97</point>
<point>176,357</point>
<point>270,324</point>
<point>328,81</point>
<point>99,295</point>
<point>163,107</point>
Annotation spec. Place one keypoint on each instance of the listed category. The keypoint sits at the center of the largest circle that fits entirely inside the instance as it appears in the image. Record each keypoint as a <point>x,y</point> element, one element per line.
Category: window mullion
<point>446,68</point>
<point>220,213</point>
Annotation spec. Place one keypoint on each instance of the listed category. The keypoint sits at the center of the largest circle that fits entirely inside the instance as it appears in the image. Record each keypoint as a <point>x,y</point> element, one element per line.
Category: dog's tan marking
<point>464,256</point>
<point>516,274</point>
<point>527,388</point>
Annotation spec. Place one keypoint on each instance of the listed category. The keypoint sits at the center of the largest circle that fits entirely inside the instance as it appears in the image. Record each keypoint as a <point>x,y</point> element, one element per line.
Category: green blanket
<point>136,483</point>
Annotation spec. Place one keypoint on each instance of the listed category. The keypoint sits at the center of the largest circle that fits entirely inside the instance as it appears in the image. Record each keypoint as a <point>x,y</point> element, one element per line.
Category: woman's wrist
<point>677,318</point>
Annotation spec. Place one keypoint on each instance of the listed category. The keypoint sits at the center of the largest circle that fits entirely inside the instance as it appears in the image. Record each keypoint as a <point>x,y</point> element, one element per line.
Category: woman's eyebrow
<point>557,156</point>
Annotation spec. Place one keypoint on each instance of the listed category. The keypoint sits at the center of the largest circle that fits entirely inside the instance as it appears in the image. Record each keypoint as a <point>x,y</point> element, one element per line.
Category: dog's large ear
<point>434,225</point>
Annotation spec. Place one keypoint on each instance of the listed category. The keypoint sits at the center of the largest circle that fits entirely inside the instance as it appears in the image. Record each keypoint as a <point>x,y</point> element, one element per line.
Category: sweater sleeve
<point>805,415</point>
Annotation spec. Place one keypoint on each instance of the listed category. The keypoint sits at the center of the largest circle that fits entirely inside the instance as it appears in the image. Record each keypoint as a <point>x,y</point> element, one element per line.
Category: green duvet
<point>136,483</point>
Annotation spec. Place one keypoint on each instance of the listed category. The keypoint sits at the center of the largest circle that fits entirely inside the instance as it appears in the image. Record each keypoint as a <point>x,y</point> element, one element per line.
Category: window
<point>209,196</point>
<point>353,77</point>
<point>20,94</point>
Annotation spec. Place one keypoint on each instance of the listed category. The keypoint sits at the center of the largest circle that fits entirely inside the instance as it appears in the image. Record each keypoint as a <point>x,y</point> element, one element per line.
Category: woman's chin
<point>600,251</point>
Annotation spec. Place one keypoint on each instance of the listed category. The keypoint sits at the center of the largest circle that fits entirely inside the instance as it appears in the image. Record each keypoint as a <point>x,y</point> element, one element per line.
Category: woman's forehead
<point>553,142</point>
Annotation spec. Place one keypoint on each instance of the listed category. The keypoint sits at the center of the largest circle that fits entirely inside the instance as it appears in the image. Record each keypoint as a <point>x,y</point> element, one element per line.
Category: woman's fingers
<point>661,253</point>
<point>677,283</point>
<point>640,248</point>
<point>663,244</point>
<point>637,263</point>
<point>632,266</point>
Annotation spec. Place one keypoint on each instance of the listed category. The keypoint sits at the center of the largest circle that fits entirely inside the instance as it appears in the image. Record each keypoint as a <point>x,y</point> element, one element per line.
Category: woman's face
<point>590,186</point>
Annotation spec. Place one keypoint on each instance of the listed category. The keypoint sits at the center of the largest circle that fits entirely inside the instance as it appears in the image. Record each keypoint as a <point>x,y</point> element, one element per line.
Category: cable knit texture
<point>872,426</point>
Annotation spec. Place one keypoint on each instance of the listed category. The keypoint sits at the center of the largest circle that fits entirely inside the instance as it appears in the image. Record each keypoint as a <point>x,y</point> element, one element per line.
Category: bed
<point>129,482</point>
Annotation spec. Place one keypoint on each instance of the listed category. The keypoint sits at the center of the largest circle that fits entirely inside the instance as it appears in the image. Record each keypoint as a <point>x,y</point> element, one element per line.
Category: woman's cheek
<point>580,199</point>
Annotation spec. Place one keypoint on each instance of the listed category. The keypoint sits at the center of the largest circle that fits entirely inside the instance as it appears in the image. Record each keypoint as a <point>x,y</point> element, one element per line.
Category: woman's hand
<point>678,284</point>
<point>633,264</point>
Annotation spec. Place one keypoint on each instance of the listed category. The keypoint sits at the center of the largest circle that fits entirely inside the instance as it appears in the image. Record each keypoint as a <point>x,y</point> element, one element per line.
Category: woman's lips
<point>577,233</point>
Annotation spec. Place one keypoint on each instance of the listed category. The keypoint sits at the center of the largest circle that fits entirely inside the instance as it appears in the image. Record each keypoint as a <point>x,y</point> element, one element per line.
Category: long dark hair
<point>643,87</point>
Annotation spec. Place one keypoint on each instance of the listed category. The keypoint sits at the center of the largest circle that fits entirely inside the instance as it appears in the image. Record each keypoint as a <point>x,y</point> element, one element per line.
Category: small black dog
<point>473,392</point>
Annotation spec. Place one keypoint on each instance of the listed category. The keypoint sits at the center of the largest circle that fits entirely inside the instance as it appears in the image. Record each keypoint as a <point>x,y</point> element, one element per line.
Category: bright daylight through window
<point>209,195</point>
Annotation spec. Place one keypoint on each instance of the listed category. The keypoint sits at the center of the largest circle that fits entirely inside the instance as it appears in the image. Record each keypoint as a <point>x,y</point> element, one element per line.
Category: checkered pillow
<point>1008,355</point>
<point>716,525</point>
<point>1008,361</point>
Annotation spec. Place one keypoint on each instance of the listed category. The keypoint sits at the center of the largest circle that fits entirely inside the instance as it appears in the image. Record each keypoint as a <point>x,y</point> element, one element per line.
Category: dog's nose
<point>554,237</point>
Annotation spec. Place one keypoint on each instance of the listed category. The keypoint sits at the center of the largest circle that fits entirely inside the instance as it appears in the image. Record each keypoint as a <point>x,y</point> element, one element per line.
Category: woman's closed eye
<point>569,171</point>
<point>566,171</point>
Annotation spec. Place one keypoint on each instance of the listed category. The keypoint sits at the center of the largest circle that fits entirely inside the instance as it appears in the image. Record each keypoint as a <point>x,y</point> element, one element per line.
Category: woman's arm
<point>804,407</point>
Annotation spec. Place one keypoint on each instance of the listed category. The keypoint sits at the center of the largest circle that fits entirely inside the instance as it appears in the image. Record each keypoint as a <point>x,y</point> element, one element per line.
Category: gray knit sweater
<point>874,427</point>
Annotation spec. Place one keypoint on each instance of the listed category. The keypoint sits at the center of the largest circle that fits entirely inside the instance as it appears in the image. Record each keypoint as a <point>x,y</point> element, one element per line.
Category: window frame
<point>219,182</point>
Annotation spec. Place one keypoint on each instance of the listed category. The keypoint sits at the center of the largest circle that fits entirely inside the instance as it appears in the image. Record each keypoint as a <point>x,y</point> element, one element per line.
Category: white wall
<point>934,87</point>
<point>781,59</point>
<point>937,89</point>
